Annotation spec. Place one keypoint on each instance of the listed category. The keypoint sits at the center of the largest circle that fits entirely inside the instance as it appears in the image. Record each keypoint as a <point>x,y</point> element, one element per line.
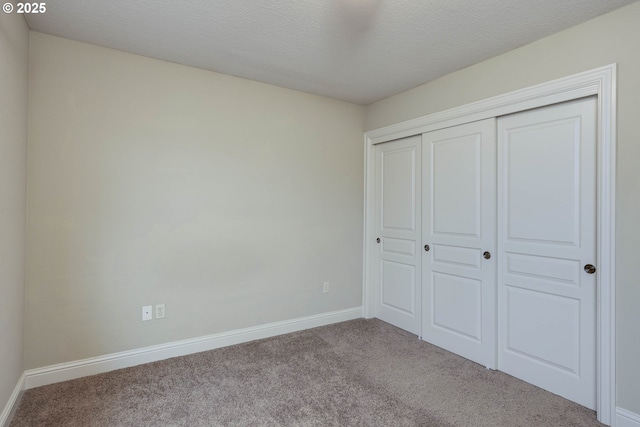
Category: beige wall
<point>14,55</point>
<point>228,200</point>
<point>614,37</point>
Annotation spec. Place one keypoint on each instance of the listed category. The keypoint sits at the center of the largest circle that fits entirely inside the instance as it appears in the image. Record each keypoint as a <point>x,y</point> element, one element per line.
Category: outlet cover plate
<point>159,311</point>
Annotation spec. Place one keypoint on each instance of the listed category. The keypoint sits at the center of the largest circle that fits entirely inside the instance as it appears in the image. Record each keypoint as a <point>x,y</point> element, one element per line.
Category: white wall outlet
<point>325,287</point>
<point>147,312</point>
<point>159,311</point>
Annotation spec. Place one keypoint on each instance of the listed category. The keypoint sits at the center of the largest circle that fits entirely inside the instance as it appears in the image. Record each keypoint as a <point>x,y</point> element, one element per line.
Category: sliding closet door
<point>398,268</point>
<point>458,299</point>
<point>546,235</point>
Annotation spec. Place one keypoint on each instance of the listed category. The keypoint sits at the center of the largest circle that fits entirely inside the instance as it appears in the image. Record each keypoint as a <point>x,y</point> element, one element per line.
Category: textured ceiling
<point>355,50</point>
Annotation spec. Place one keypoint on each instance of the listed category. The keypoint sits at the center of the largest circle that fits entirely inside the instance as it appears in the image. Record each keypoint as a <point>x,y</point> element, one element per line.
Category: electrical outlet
<point>325,287</point>
<point>147,312</point>
<point>159,311</point>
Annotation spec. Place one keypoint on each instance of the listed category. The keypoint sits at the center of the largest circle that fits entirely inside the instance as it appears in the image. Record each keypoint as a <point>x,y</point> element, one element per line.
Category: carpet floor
<point>356,373</point>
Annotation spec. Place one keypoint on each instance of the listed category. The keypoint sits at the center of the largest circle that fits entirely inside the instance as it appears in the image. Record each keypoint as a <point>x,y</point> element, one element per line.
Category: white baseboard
<point>97,365</point>
<point>626,418</point>
<point>12,404</point>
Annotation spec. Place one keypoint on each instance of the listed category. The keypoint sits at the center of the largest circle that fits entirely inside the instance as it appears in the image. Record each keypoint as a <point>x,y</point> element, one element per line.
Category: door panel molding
<point>600,82</point>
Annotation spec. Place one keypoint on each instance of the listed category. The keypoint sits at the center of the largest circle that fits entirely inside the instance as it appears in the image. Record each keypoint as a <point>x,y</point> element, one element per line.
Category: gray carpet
<point>357,373</point>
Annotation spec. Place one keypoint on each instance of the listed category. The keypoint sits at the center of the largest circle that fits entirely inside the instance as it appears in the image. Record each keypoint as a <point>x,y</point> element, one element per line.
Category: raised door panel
<point>399,284</point>
<point>543,182</point>
<point>457,306</point>
<point>455,194</point>
<point>399,189</point>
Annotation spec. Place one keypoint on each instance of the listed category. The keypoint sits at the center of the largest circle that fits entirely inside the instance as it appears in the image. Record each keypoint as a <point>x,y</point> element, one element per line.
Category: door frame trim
<point>600,82</point>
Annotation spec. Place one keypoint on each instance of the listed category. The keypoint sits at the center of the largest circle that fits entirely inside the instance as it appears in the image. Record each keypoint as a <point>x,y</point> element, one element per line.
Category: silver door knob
<point>378,240</point>
<point>590,269</point>
<point>426,248</point>
<point>486,255</point>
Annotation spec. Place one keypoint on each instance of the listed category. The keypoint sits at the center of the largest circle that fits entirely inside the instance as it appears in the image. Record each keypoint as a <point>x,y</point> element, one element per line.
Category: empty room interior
<point>344,212</point>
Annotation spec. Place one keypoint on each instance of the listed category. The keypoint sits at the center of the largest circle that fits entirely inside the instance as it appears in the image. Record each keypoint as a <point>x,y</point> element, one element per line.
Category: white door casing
<point>398,264</point>
<point>458,205</point>
<point>546,235</point>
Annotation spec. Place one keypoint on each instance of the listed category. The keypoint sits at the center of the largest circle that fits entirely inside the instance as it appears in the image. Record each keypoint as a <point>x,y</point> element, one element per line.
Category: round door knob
<point>378,240</point>
<point>426,248</point>
<point>590,269</point>
<point>486,255</point>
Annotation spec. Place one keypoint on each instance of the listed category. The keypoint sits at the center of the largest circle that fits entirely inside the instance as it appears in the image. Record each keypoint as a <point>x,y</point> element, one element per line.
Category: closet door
<point>458,300</point>
<point>398,268</point>
<point>546,235</point>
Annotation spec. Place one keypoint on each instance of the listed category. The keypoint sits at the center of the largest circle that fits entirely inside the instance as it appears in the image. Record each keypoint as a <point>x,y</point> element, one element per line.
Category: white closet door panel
<point>399,283</point>
<point>456,189</point>
<point>556,328</point>
<point>459,226</point>
<point>398,276</point>
<point>546,235</point>
<point>398,189</point>
<point>458,307</point>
